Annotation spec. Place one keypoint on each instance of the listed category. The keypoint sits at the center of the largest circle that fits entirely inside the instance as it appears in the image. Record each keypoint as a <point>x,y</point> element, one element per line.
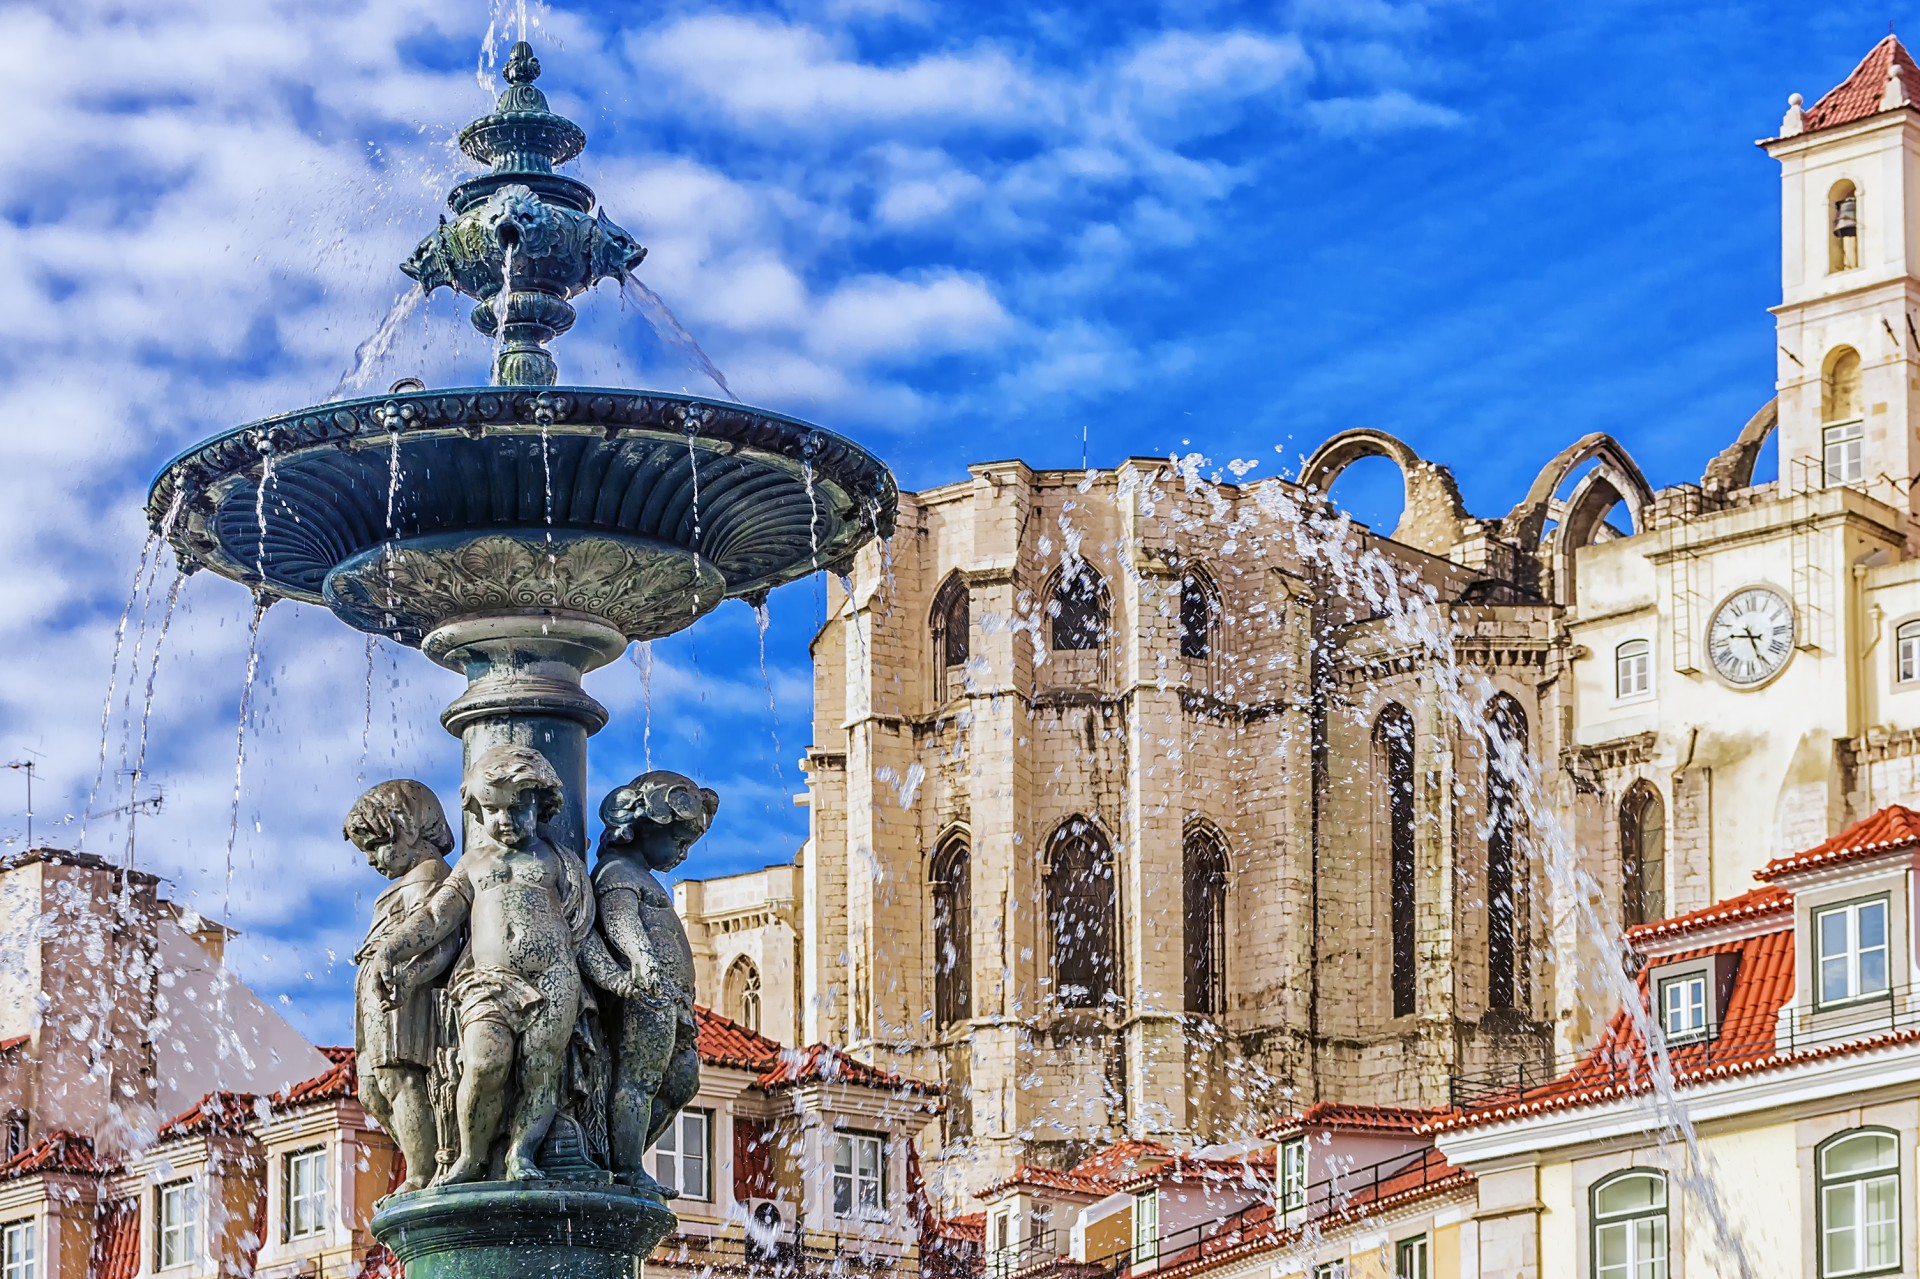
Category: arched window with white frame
<point>1857,1188</point>
<point>1630,1225</point>
<point>1906,649</point>
<point>1633,669</point>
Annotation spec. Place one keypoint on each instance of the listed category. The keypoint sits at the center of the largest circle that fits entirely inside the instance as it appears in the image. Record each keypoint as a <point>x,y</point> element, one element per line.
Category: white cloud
<point>875,316</point>
<point>1379,112</point>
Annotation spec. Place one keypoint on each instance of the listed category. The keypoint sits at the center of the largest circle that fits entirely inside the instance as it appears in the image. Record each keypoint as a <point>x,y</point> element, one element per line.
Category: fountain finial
<point>523,238</point>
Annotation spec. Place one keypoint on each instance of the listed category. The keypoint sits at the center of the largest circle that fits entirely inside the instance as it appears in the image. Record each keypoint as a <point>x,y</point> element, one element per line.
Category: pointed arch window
<point>1199,614</point>
<point>1079,608</point>
<point>1082,901</point>
<point>1393,751</point>
<point>952,637</point>
<point>1204,873</point>
<point>952,932</point>
<point>1643,855</point>
<point>742,993</point>
<point>1506,748</point>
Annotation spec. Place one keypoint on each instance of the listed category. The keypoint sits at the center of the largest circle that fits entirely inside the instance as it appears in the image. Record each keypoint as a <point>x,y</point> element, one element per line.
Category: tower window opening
<point>1393,740</point>
<point>1843,227</point>
<point>952,933</point>
<point>1082,900</point>
<point>1205,876</point>
<point>743,993</point>
<point>1199,609</point>
<point>1079,608</point>
<point>1643,855</point>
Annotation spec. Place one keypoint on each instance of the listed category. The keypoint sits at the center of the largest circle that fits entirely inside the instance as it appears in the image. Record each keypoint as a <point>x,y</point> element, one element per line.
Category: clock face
<point>1751,636</point>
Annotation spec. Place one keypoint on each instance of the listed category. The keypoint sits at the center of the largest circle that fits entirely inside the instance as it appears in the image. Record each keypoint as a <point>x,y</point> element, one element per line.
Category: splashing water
<point>641,656</point>
<point>489,60</point>
<point>763,618</point>
<point>667,327</point>
<point>113,675</point>
<point>367,356</point>
<point>146,713</point>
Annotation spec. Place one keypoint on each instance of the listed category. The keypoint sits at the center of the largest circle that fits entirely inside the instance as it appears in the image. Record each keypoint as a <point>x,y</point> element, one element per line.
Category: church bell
<point>1843,219</point>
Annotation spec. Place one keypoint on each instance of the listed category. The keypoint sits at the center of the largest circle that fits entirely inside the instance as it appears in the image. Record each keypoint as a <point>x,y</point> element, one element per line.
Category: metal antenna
<point>27,766</point>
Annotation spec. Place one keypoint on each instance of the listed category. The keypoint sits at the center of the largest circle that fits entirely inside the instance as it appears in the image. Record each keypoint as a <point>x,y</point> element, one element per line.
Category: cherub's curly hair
<point>370,820</point>
<point>515,768</point>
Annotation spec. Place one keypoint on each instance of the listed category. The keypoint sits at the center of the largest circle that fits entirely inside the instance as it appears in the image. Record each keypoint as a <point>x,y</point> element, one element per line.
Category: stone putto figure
<point>402,829</point>
<point>516,989</point>
<point>640,957</point>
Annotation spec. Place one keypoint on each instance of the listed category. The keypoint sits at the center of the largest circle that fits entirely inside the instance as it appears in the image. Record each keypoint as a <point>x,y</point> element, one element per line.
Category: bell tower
<point>1849,314</point>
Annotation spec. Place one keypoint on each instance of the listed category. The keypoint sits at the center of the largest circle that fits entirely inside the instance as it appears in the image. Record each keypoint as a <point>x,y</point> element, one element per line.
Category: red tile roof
<point>15,1044</point>
<point>1858,96</point>
<point>337,1083</point>
<point>725,1043</point>
<point>1252,1170</point>
<point>59,1151</point>
<point>1894,826</point>
<point>1099,1174</point>
<point>1620,1065</point>
<point>968,1227</point>
<point>116,1244</point>
<point>819,1064</point>
<point>1752,904</point>
<point>228,1112</point>
<point>1350,1118</point>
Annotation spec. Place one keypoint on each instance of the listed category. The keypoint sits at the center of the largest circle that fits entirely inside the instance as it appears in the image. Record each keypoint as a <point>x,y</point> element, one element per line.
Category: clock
<point>1750,636</point>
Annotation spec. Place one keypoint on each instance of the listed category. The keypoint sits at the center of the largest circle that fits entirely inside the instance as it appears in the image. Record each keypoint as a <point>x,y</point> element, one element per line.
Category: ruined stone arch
<point>1083,908</point>
<point>1526,525</point>
<point>1206,869</point>
<point>1732,468</point>
<point>1430,520</point>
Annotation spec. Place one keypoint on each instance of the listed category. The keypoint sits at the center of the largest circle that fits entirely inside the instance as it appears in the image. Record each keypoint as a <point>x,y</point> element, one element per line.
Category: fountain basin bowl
<point>508,1229</point>
<point>404,511</point>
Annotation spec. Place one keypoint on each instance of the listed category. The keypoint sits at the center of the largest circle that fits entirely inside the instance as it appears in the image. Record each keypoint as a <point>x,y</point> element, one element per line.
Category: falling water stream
<point>667,327</point>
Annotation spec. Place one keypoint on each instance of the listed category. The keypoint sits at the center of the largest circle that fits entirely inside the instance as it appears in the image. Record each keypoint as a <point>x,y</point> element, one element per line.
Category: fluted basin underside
<point>702,499</point>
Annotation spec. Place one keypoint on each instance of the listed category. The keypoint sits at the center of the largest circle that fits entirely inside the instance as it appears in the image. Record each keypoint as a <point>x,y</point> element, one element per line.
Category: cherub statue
<point>526,907</point>
<point>402,829</point>
<point>639,955</point>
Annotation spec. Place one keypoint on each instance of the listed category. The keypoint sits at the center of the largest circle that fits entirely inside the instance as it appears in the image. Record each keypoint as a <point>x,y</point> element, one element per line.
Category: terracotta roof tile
<point>1099,1174</point>
<point>1894,826</point>
<point>1351,1118</point>
<point>1752,904</point>
<point>1253,1170</point>
<point>116,1244</point>
<point>334,1084</point>
<point>819,1064</point>
<point>59,1151</point>
<point>336,1053</point>
<point>14,1044</point>
<point>725,1043</point>
<point>1858,96</point>
<point>1619,1065</point>
<point>228,1112</point>
<point>968,1227</point>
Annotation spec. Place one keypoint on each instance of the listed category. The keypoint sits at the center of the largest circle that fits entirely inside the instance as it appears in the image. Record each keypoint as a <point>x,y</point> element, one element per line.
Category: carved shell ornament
<point>644,589</point>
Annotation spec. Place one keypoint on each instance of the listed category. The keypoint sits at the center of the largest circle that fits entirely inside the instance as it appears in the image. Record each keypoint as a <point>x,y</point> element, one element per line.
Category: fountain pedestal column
<point>523,674</point>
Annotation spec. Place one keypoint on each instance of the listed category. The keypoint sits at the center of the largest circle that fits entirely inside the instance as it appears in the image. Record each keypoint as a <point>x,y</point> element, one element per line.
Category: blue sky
<point>955,232</point>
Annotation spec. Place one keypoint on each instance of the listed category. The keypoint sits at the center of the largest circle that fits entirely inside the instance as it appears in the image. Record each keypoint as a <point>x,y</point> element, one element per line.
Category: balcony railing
<point>789,1255</point>
<point>1342,1191</point>
<point>1750,1038</point>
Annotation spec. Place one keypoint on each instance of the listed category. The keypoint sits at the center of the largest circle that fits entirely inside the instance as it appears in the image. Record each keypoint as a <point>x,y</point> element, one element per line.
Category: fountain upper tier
<point>408,511</point>
<point>520,504</point>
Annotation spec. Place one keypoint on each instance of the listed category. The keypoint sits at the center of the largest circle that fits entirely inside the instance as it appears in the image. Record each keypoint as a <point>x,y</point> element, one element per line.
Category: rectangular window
<point>18,1251</point>
<point>1860,1227</point>
<point>1907,650</point>
<point>1410,1258</point>
<point>1852,941</point>
<point>174,1209</point>
<point>1293,1174</point>
<point>1330,1270</point>
<point>1683,1006</point>
<point>859,1174</point>
<point>1146,1227</point>
<point>1842,448</point>
<point>303,1190</point>
<point>1633,669</point>
<point>682,1157</point>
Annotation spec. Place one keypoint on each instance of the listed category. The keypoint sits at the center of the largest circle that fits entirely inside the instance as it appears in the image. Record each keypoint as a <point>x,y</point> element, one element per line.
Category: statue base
<point>509,1229</point>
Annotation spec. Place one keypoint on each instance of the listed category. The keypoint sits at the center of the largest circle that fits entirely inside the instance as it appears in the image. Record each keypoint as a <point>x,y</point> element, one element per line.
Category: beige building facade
<point>1148,804</point>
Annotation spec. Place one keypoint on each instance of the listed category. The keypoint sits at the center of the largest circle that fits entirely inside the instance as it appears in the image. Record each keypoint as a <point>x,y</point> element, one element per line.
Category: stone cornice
<point>1621,752</point>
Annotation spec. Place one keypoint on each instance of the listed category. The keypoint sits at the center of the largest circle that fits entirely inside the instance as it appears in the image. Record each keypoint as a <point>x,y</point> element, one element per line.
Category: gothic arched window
<point>1843,432</point>
<point>1506,749</point>
<point>1204,872</point>
<point>1643,855</point>
<point>1199,614</point>
<point>952,875</point>
<point>742,993</point>
<point>1393,754</point>
<point>1082,900</point>
<point>1079,607</point>
<point>950,623</point>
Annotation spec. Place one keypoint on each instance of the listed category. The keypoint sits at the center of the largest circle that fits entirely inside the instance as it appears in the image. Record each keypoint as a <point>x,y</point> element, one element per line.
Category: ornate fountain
<point>523,533</point>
